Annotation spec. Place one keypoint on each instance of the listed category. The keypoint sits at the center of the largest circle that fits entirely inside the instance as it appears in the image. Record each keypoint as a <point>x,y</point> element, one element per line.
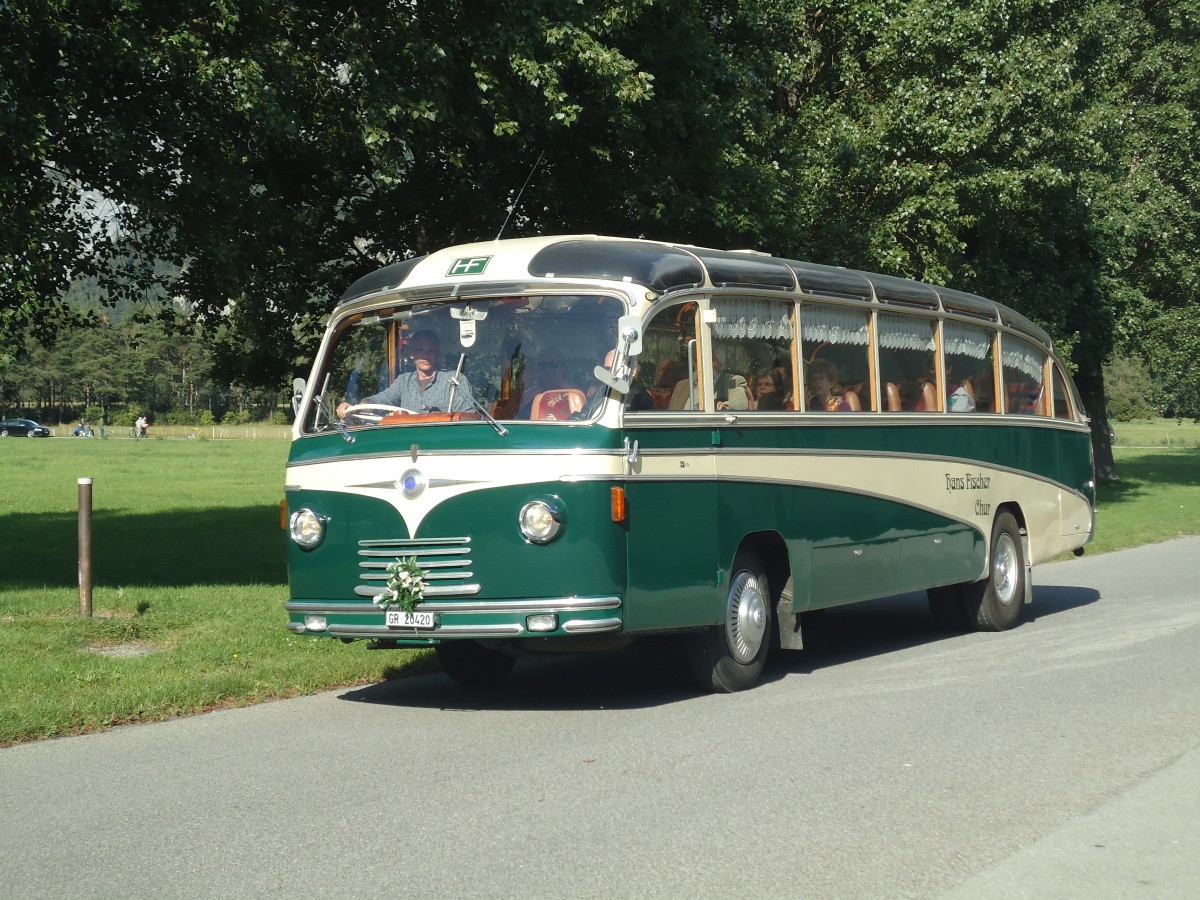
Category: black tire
<point>4,433</point>
<point>730,657</point>
<point>994,604</point>
<point>948,605</point>
<point>472,664</point>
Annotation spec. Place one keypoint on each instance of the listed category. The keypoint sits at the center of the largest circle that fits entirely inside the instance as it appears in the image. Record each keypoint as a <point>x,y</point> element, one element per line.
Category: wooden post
<point>85,547</point>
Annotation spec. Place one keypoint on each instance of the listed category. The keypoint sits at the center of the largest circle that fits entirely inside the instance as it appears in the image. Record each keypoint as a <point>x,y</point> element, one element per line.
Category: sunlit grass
<point>190,583</point>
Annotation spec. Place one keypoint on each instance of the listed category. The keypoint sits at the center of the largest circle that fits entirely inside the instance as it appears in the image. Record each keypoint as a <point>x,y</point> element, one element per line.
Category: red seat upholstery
<point>557,405</point>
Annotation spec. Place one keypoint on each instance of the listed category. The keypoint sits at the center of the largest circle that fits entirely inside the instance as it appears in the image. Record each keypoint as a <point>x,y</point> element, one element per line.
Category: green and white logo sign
<point>469,265</point>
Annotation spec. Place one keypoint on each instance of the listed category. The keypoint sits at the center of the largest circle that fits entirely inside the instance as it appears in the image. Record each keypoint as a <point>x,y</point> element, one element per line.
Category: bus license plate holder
<point>399,618</point>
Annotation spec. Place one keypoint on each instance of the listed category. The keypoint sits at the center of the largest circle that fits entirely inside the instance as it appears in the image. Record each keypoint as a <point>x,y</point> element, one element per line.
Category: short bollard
<point>85,547</point>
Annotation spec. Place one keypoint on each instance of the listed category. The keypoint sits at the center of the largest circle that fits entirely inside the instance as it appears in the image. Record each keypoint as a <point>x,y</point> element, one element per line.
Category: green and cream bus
<point>613,438</point>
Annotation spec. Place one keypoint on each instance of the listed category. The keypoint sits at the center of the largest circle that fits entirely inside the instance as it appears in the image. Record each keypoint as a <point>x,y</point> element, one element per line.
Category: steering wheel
<point>357,410</point>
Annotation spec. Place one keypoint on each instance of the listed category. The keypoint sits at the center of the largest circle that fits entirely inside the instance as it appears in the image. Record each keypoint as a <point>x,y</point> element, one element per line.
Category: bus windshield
<point>509,358</point>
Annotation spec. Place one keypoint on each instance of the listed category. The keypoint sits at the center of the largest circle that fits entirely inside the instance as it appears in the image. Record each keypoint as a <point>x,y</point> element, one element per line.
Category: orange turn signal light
<point>618,504</point>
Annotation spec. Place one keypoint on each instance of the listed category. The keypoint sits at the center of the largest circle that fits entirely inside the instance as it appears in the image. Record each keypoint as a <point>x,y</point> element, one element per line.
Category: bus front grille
<point>446,563</point>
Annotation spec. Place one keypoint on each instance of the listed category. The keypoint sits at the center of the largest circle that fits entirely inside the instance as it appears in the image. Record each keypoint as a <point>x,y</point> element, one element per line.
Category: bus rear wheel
<point>472,664</point>
<point>994,604</point>
<point>730,657</point>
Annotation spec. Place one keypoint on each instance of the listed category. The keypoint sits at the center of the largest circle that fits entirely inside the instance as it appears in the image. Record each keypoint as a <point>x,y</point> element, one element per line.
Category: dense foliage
<point>1043,152</point>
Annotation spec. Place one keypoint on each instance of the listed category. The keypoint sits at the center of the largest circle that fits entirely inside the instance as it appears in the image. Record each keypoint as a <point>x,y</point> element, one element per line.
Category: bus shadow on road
<point>655,672</point>
<point>878,627</point>
<point>648,674</point>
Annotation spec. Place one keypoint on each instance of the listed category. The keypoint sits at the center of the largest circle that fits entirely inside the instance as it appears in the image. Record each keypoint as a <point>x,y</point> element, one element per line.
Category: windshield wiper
<point>500,429</point>
<point>337,424</point>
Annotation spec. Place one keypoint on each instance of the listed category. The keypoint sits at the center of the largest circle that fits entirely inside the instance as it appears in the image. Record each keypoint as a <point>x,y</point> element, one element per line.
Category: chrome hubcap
<point>746,617</point>
<point>1005,574</point>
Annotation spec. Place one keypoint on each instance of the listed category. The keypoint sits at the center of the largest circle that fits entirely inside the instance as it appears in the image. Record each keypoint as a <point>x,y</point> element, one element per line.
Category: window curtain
<point>966,340</point>
<point>752,319</point>
<point>834,324</point>
<point>1023,357</point>
<point>905,332</point>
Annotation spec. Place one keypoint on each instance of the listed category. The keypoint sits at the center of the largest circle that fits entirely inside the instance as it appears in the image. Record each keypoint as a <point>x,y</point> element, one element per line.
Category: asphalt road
<point>886,760</point>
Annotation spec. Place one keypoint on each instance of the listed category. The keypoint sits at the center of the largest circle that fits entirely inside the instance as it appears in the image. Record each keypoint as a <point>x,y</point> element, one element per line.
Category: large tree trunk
<point>1090,381</point>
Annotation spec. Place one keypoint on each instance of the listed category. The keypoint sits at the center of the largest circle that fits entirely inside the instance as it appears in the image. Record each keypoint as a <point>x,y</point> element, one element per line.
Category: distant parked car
<point>22,428</point>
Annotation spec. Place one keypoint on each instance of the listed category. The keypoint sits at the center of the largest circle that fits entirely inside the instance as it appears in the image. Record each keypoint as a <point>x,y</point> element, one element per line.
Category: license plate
<point>398,618</point>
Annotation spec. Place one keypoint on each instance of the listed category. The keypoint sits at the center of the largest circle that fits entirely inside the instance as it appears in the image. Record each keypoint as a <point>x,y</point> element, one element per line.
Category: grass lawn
<point>190,578</point>
<point>190,583</point>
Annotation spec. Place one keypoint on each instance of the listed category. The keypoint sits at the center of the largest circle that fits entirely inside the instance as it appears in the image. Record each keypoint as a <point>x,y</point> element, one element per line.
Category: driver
<point>427,388</point>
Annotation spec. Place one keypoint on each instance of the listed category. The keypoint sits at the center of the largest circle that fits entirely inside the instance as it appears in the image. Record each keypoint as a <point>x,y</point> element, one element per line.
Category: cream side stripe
<point>449,476</point>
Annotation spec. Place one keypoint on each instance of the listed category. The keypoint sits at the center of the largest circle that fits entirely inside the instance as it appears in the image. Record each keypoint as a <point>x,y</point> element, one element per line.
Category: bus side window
<point>1023,366</point>
<point>663,364</point>
<point>1062,405</point>
<point>835,341</point>
<point>752,349</point>
<point>908,362</point>
<point>968,360</point>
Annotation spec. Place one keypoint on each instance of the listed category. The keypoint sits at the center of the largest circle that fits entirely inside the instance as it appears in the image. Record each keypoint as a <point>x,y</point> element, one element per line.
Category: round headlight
<point>540,521</point>
<point>307,528</point>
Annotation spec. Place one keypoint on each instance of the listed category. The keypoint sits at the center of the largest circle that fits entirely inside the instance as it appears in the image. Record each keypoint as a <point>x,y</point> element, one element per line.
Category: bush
<point>1128,391</point>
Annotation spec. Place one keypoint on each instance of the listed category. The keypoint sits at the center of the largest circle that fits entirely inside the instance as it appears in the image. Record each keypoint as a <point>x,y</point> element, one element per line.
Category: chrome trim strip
<point>413,542</point>
<point>429,576</point>
<point>448,551</point>
<point>590,626</point>
<point>322,606</point>
<point>382,631</point>
<point>433,590</point>
<point>560,604</point>
<point>436,564</point>
<point>296,627</point>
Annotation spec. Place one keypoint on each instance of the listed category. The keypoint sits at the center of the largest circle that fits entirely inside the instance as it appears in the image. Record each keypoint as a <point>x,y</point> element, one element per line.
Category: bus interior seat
<point>893,397</point>
<point>851,397</point>
<point>927,401</point>
<point>557,405</point>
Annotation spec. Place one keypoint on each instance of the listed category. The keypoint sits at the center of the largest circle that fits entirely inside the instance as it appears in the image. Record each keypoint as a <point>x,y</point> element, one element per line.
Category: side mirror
<point>298,386</point>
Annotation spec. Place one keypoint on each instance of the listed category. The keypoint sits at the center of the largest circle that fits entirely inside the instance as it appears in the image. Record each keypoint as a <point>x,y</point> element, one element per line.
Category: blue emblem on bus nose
<point>411,483</point>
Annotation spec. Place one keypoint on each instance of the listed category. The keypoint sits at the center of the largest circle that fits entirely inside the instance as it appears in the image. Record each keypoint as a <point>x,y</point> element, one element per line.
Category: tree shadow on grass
<point>1178,469</point>
<point>238,545</point>
<point>655,672</point>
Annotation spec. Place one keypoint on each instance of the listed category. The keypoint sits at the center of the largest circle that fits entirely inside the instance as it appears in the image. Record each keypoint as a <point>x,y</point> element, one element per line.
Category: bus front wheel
<point>472,664</point>
<point>729,657</point>
<point>994,604</point>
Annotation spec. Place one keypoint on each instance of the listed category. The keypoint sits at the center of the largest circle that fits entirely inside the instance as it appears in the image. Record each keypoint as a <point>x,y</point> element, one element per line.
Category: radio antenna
<point>517,201</point>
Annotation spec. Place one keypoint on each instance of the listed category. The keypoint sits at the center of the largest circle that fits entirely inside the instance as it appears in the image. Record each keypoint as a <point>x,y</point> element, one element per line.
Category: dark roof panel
<point>728,268</point>
<point>380,280</point>
<point>655,266</point>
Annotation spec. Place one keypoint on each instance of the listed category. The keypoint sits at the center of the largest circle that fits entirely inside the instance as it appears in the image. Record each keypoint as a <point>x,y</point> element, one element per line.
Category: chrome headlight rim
<point>541,520</point>
<point>307,528</point>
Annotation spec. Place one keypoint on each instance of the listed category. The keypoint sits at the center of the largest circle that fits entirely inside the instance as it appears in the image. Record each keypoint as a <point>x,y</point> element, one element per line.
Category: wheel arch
<point>1014,508</point>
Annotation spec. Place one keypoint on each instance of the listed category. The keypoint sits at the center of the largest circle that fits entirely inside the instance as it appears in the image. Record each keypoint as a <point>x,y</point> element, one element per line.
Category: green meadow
<point>190,578</point>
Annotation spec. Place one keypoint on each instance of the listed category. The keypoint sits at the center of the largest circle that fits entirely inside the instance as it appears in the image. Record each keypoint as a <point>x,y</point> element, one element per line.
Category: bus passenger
<point>730,391</point>
<point>769,385</point>
<point>822,378</point>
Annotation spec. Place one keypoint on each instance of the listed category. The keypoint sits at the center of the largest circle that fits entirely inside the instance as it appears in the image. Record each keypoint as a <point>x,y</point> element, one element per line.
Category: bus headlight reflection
<point>541,521</point>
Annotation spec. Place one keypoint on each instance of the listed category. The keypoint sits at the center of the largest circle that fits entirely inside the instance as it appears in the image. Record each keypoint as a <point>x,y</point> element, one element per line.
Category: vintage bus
<point>566,443</point>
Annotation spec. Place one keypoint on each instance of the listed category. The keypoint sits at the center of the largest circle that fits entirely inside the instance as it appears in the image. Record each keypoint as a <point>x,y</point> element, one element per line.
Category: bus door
<point>673,577</point>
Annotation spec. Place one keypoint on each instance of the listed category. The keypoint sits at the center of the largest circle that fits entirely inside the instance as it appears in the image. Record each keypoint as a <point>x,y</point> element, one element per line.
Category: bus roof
<point>663,267</point>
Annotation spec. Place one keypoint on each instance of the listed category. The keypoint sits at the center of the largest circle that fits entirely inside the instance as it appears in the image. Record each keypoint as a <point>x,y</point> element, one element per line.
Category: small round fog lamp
<point>540,521</point>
